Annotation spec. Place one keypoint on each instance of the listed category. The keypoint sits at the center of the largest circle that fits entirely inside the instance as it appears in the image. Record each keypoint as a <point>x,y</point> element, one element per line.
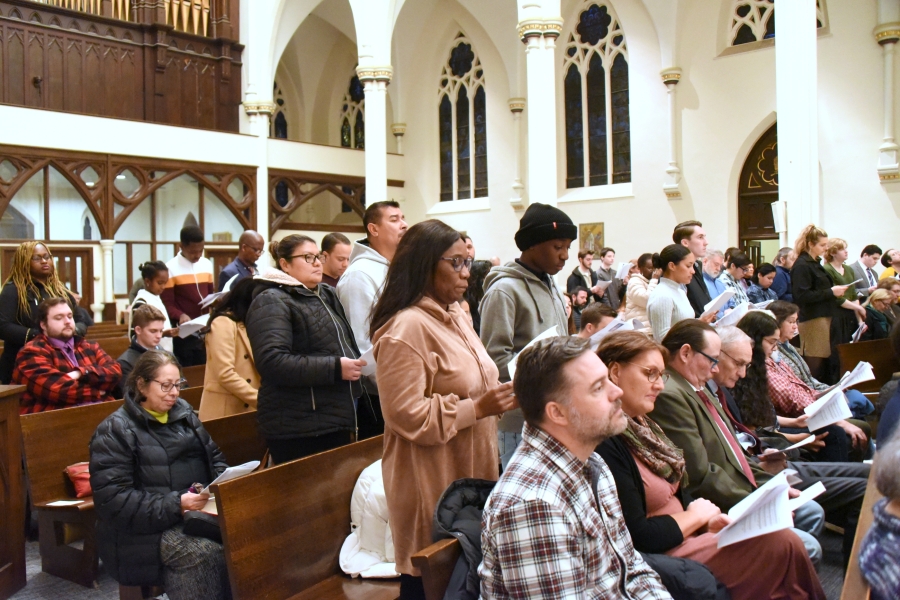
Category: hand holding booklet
<point>193,326</point>
<point>734,315</point>
<point>546,334</point>
<point>829,409</point>
<point>717,303</point>
<point>623,270</point>
<point>235,472</point>
<point>617,324</point>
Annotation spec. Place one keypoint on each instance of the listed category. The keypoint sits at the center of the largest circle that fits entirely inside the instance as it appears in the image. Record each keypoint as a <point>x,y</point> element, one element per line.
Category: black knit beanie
<point>542,223</point>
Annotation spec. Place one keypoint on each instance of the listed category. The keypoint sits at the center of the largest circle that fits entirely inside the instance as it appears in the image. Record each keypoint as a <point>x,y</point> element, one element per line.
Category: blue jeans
<point>809,520</point>
<point>860,406</point>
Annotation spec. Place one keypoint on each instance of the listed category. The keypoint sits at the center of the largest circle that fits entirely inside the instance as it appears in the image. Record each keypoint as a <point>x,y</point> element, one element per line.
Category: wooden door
<point>74,267</point>
<point>753,250</point>
<point>758,189</point>
<point>221,258</point>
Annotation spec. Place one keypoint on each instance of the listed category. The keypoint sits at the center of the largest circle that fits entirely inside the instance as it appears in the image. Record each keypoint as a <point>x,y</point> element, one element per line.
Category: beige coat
<point>430,366</point>
<point>231,382</point>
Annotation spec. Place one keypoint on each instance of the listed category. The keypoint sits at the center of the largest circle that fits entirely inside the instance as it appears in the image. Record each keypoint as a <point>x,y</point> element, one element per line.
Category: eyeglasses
<point>256,251</point>
<point>458,263</point>
<point>714,361</point>
<point>309,258</point>
<point>739,364</point>
<point>166,386</point>
<point>653,375</point>
<point>41,259</point>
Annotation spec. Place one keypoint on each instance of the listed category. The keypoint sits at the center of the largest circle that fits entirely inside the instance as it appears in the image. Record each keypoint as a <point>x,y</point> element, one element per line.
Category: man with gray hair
<point>712,268</point>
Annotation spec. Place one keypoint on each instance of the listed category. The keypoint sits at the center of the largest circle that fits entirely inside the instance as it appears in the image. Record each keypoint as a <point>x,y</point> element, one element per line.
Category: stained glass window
<point>595,84</point>
<point>279,124</point>
<point>754,21</point>
<point>462,122</point>
<point>353,116</point>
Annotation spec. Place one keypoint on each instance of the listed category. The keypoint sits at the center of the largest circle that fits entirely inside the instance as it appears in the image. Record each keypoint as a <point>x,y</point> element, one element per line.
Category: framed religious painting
<point>590,235</point>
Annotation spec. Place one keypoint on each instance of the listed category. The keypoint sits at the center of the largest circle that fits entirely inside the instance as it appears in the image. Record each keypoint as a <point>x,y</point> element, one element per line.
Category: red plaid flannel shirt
<point>788,392</point>
<point>42,369</point>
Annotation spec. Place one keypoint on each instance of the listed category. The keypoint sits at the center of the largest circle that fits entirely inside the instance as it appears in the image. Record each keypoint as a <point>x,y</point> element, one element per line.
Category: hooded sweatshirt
<point>517,307</point>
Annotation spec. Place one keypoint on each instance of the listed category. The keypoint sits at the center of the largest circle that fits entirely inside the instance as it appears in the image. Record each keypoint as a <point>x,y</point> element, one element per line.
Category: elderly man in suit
<point>717,467</point>
<point>862,269</point>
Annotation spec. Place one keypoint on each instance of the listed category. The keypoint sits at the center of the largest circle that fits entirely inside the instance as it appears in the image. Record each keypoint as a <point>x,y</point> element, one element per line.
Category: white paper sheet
<point>858,333</point>
<point>734,315</point>
<point>213,297</point>
<point>806,495</point>
<point>235,472</point>
<point>193,326</point>
<point>829,409</point>
<point>764,511</point>
<point>761,305</point>
<point>801,443</point>
<point>65,503</point>
<point>603,284</point>
<point>718,302</point>
<point>546,334</point>
<point>369,357</point>
<point>617,324</point>
<point>623,270</point>
<point>861,372</point>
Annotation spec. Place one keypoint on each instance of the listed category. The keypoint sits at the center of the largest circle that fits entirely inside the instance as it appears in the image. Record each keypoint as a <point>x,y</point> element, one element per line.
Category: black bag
<point>201,524</point>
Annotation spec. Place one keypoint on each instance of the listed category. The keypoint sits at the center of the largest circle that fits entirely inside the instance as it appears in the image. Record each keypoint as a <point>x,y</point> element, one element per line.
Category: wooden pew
<point>283,528</point>
<point>436,563</point>
<point>54,440</point>
<point>96,331</point>
<point>195,375</point>
<point>237,436</point>
<point>12,495</point>
<point>855,586</point>
<point>114,346</point>
<point>192,395</point>
<point>877,352</point>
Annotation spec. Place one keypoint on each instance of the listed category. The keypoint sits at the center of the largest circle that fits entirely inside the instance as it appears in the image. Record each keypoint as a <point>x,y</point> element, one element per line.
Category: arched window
<point>353,116</point>
<point>279,126</point>
<point>462,119</point>
<point>595,86</point>
<point>754,21</point>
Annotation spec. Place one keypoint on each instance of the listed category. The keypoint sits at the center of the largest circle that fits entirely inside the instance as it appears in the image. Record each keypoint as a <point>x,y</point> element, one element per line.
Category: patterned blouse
<point>740,294</point>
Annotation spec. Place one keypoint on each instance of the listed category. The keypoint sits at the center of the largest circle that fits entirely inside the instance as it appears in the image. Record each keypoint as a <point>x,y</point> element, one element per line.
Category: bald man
<point>250,249</point>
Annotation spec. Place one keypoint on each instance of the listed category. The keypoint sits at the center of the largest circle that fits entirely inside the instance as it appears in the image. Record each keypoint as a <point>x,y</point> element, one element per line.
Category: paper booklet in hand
<point>213,297</point>
<point>617,324</point>
<point>827,410</point>
<point>235,472</point>
<point>369,357</point>
<point>512,364</point>
<point>193,326</point>
<point>859,333</point>
<point>766,510</point>
<point>717,303</point>
<point>734,315</point>
<point>861,372</point>
<point>623,270</point>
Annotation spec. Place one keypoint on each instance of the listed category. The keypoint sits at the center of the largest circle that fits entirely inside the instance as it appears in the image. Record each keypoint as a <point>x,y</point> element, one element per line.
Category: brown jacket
<point>231,382</point>
<point>430,366</point>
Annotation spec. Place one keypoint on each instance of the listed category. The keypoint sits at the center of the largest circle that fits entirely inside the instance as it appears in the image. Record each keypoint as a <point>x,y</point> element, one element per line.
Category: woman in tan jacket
<point>439,389</point>
<point>230,383</point>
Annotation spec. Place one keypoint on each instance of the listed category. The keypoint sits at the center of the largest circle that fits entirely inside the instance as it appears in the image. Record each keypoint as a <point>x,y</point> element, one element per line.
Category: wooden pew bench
<point>54,440</point>
<point>192,396</point>
<point>283,528</point>
<point>237,436</point>
<point>114,346</point>
<point>877,352</point>
<point>436,563</point>
<point>195,375</point>
<point>855,586</point>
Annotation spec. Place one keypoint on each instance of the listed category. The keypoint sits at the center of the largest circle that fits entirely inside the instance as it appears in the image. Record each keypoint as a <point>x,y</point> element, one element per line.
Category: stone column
<point>539,37</point>
<point>399,130</point>
<point>109,297</point>
<point>887,35</point>
<point>375,80</point>
<point>671,77</point>
<point>796,83</point>
<point>517,105</point>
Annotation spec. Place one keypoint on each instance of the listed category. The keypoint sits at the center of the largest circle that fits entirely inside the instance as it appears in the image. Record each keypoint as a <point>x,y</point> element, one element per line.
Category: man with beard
<point>60,370</point>
<point>553,525</point>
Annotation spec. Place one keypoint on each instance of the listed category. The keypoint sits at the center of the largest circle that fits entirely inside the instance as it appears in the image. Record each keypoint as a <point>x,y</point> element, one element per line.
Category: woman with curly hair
<point>32,279</point>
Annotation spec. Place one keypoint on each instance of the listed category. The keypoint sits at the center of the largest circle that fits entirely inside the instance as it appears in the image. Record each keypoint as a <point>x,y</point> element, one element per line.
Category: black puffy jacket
<point>298,338</point>
<point>139,470</point>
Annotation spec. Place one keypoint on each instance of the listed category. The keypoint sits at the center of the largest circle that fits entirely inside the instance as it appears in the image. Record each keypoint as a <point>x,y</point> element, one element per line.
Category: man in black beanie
<point>521,300</point>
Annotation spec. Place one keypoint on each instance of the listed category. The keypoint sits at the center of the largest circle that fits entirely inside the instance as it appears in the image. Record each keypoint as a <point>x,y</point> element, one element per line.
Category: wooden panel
<point>74,81</point>
<point>855,587</point>
<point>237,436</point>
<point>436,563</point>
<point>34,76</point>
<point>12,505</point>
<point>15,47</point>
<point>54,81</point>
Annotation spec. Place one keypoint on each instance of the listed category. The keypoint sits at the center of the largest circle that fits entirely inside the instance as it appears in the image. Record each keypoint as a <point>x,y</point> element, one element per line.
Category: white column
<point>375,80</point>
<point>670,78</point>
<point>796,103</point>
<point>539,37</point>
<point>259,114</point>
<point>109,297</point>
<point>887,35</point>
<point>517,105</point>
<point>399,130</point>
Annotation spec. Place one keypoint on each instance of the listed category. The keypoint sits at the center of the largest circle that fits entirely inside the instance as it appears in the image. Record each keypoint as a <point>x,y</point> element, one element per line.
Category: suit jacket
<point>713,471</point>
<point>859,272</point>
<point>697,292</point>
<point>230,383</point>
<point>235,267</point>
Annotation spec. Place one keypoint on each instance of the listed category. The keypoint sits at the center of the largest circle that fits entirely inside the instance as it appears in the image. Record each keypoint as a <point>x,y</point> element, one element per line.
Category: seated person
<point>148,323</point>
<point>880,551</point>
<point>890,416</point>
<point>878,307</point>
<point>717,467</point>
<point>649,472</point>
<point>147,460</point>
<point>594,318</point>
<point>553,526</point>
<point>893,287</point>
<point>761,289</point>
<point>60,369</point>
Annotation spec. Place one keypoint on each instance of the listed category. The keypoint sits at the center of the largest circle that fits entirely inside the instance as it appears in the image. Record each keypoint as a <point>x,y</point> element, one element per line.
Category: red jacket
<point>42,369</point>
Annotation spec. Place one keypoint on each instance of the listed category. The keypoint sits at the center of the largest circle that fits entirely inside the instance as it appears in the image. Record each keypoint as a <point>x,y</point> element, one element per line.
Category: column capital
<point>887,33</point>
<point>670,76</point>
<point>107,244</point>
<point>398,129</point>
<point>259,108</point>
<point>517,105</point>
<point>384,73</point>
<point>551,28</point>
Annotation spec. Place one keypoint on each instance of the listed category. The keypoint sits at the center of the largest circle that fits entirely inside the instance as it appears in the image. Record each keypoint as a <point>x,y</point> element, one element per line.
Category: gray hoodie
<point>516,308</point>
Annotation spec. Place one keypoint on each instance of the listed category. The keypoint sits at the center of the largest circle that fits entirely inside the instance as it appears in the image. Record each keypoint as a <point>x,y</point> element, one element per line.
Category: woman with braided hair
<point>31,280</point>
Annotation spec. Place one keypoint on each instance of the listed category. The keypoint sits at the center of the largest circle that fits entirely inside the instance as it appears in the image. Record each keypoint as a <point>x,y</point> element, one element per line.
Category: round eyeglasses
<point>309,258</point>
<point>459,262</point>
<point>166,386</point>
<point>653,375</point>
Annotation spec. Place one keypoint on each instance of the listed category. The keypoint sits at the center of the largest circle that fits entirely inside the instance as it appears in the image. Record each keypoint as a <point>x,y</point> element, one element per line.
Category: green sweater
<point>846,279</point>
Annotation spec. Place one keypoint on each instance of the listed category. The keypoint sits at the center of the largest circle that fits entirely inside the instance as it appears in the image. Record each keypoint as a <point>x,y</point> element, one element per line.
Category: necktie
<point>735,447</point>
<point>871,278</point>
<point>734,422</point>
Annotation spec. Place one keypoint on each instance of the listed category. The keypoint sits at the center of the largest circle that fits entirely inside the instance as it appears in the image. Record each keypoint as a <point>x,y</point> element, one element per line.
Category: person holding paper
<point>155,275</point>
<point>231,381</point>
<point>306,356</point>
<point>784,262</point>
<point>640,286</point>
<point>606,273</point>
<point>867,278</point>
<point>668,303</point>
<point>521,300</point>
<point>190,281</point>
<point>878,307</point>
<point>250,247</point>
<point>584,276</point>
<point>732,277</point>
<point>440,389</point>
<point>845,322</point>
<point>594,318</point>
<point>147,460</point>
<point>649,471</point>
<point>149,324</point>
<point>691,235</point>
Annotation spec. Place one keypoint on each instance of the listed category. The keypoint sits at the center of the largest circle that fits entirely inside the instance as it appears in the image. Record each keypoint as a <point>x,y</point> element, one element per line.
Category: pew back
<point>194,375</point>
<point>114,346</point>
<point>283,527</point>
<point>855,586</point>
<point>877,352</point>
<point>237,436</point>
<point>192,396</point>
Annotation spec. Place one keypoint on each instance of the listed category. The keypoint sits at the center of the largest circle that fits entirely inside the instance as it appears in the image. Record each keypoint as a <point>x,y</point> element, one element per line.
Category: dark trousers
<point>411,588</point>
<point>837,446</point>
<point>284,450</point>
<point>369,419</point>
<point>189,351</point>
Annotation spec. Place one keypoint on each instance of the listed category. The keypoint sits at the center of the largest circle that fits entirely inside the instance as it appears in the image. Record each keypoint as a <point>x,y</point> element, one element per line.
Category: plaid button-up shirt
<point>553,528</point>
<point>788,393</point>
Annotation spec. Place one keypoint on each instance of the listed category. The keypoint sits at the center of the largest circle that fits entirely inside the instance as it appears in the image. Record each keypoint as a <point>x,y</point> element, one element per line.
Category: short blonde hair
<point>835,245</point>
<point>808,237</point>
<point>879,294</point>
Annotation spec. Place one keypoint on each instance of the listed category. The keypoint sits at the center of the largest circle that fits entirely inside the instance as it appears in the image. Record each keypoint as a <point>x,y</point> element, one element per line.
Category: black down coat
<point>139,470</point>
<point>298,338</point>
